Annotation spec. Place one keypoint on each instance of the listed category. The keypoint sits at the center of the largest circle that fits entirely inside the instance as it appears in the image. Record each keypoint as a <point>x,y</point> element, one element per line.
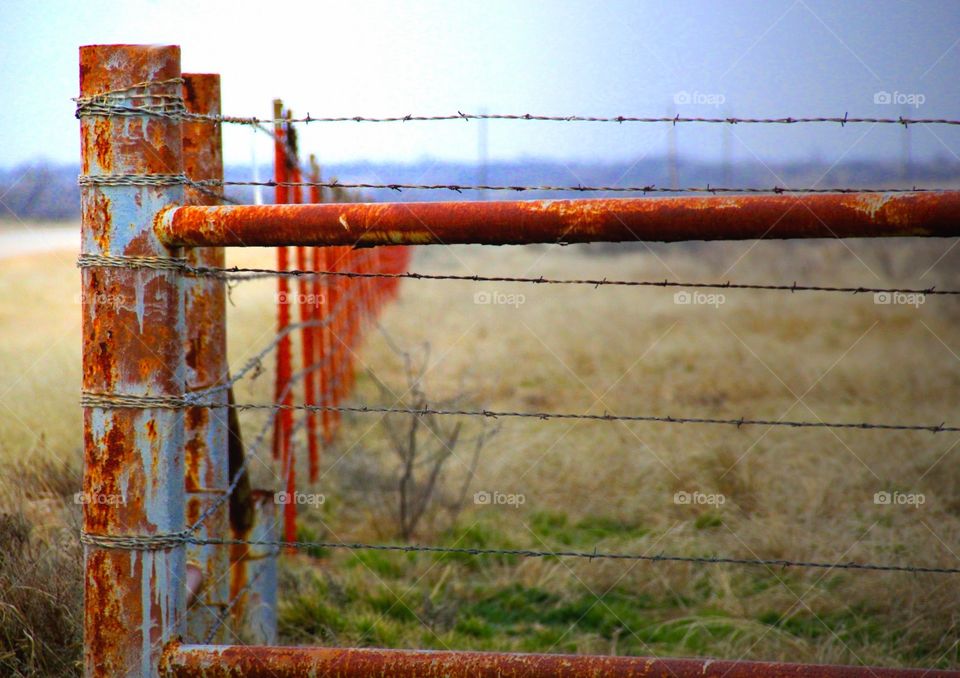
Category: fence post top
<point>112,67</point>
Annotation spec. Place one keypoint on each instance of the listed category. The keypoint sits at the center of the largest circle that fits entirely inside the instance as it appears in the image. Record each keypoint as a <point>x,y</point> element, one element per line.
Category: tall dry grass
<point>798,494</point>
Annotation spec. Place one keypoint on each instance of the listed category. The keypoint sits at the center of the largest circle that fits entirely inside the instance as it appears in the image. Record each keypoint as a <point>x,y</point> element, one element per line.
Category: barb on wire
<point>673,120</point>
<point>207,184</point>
<point>240,274</point>
<point>148,542</point>
<point>649,188</point>
<point>844,120</point>
<point>116,102</point>
<point>114,400</point>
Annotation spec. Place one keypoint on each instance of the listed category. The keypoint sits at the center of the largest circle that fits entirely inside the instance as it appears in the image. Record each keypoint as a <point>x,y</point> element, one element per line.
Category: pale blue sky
<point>764,58</point>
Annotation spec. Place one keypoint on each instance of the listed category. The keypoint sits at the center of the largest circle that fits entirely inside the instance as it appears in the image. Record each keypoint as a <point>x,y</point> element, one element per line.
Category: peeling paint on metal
<point>132,325</point>
<point>568,221</point>
<point>277,662</point>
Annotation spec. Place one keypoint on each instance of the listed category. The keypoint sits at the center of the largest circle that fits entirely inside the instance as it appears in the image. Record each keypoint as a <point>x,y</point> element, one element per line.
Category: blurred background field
<point>794,494</point>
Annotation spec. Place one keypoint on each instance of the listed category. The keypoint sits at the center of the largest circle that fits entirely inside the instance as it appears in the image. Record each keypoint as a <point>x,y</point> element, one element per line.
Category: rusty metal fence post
<point>205,351</point>
<point>133,333</point>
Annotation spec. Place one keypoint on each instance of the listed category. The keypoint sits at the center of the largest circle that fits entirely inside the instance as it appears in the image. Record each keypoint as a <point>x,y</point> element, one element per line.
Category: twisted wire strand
<point>240,274</point>
<point>844,120</point>
<point>141,180</point>
<point>116,102</point>
<point>649,188</point>
<point>207,184</point>
<point>120,400</point>
<point>153,542</point>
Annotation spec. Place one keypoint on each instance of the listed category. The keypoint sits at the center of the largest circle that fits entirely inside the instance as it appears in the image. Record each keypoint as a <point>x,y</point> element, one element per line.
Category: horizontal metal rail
<point>278,662</point>
<point>566,221</point>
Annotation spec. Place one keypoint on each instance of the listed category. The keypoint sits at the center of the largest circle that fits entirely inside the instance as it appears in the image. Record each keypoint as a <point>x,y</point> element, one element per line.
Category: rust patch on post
<point>132,345</point>
<point>277,662</point>
<point>836,215</point>
<point>205,355</point>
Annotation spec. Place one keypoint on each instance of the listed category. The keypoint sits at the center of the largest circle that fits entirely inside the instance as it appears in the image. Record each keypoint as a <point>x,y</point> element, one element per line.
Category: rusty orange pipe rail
<point>833,215</point>
<point>278,662</point>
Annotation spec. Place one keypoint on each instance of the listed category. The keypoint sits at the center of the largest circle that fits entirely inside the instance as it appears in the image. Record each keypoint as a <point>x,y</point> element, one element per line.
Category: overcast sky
<point>760,58</point>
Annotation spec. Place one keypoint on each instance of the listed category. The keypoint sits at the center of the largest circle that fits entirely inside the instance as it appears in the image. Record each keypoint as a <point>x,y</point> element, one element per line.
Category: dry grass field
<point>759,492</point>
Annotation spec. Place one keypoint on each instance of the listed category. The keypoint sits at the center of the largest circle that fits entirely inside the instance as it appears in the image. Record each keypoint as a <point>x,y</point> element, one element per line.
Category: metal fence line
<point>132,397</point>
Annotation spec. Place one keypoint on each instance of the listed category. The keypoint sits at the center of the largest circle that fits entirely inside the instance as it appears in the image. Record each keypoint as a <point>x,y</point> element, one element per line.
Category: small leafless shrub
<point>423,445</point>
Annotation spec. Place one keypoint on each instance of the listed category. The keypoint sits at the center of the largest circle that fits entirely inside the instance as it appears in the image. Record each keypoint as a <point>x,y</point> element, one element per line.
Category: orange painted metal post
<point>133,335</point>
<point>319,336</point>
<point>281,197</point>
<point>205,349</point>
<point>289,461</point>
<point>834,215</point>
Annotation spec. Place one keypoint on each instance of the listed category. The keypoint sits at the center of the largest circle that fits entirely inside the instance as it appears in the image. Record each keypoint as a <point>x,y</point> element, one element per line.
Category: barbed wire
<point>123,400</point>
<point>104,105</point>
<point>160,542</point>
<point>648,188</point>
<point>244,274</point>
<point>620,119</point>
<point>206,184</point>
<point>240,274</point>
